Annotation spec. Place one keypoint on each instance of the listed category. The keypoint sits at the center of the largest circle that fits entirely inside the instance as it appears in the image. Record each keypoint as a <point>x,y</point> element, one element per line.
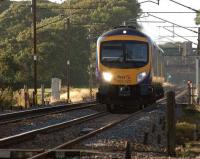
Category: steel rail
<point>38,112</point>
<point>11,140</point>
<point>50,152</point>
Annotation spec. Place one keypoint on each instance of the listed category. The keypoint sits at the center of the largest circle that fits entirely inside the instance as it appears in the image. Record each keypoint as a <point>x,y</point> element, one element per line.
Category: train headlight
<point>141,76</point>
<point>107,76</point>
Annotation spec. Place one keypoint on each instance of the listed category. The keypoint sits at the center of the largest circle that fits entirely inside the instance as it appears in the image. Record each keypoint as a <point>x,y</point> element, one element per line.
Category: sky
<point>156,30</point>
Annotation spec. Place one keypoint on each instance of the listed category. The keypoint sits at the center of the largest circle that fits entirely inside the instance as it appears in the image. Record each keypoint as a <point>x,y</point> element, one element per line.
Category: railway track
<point>34,113</point>
<point>6,142</point>
<point>20,138</point>
<point>51,153</point>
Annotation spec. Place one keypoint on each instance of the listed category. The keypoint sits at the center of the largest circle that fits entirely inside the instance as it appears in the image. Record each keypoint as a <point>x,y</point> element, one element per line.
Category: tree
<point>197,19</point>
<point>88,20</point>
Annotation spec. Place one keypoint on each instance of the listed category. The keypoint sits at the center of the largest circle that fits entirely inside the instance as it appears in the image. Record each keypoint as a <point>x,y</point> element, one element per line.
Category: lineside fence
<point>24,98</point>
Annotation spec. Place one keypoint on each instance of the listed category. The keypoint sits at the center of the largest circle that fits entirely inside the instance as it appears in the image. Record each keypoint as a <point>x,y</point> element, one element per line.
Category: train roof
<point>129,31</point>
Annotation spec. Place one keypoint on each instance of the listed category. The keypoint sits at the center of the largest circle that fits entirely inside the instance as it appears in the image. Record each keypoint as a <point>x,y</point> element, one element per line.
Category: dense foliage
<point>88,19</point>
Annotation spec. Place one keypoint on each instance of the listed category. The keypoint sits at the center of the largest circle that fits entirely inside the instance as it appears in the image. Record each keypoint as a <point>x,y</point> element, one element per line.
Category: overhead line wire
<point>169,12</point>
<point>185,6</point>
<point>173,23</point>
<point>179,35</point>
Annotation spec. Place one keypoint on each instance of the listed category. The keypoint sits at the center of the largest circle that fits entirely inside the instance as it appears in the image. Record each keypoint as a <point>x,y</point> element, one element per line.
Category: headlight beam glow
<point>141,76</point>
<point>107,76</point>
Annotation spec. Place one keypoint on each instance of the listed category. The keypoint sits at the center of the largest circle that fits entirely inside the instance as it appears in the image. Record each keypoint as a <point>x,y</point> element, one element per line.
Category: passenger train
<point>129,68</point>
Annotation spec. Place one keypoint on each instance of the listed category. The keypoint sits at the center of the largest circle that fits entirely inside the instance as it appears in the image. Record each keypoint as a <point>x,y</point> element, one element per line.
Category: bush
<point>6,97</point>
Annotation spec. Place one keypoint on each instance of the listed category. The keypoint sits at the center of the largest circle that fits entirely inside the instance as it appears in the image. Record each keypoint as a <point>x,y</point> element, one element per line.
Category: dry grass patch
<point>78,94</point>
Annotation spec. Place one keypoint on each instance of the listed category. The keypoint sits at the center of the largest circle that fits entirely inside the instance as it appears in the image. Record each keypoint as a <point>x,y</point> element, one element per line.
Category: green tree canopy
<point>55,40</point>
<point>197,19</point>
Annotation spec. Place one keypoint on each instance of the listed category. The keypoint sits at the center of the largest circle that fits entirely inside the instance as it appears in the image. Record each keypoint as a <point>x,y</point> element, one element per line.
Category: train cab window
<point>136,52</point>
<point>112,52</point>
<point>124,54</point>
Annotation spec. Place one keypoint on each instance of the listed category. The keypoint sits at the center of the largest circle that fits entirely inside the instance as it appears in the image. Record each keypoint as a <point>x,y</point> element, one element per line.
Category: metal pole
<point>189,92</point>
<point>68,60</point>
<point>90,66</point>
<point>197,66</point>
<point>68,81</point>
<point>42,94</point>
<point>25,96</point>
<point>197,78</point>
<point>68,54</point>
<point>34,51</point>
<point>198,46</point>
<point>90,82</point>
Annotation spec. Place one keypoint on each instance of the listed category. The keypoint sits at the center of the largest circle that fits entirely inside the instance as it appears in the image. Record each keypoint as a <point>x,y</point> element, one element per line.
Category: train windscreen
<point>112,52</point>
<point>136,52</point>
<point>127,53</point>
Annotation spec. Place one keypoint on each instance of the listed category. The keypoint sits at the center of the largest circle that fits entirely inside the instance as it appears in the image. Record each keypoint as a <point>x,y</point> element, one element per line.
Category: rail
<point>11,140</point>
<point>33,113</point>
<point>50,153</point>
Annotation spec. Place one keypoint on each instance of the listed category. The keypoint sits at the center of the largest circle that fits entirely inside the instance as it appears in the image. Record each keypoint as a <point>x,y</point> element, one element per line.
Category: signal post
<point>34,53</point>
<point>197,66</point>
<point>67,22</point>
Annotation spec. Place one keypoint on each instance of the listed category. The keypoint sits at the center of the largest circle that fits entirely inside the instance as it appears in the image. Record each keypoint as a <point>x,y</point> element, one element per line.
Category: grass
<point>184,132</point>
<point>186,136</point>
<point>76,95</point>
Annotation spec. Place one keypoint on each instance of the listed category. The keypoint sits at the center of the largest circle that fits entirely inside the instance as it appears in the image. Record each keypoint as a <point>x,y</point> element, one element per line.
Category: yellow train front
<point>129,68</point>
